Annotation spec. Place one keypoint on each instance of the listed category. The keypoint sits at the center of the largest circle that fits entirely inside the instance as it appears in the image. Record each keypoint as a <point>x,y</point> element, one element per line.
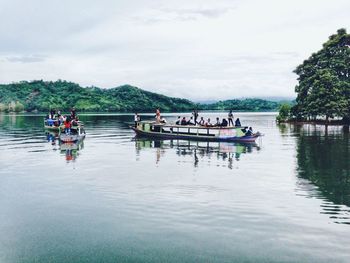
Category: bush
<point>19,107</point>
<point>284,112</point>
<point>3,107</point>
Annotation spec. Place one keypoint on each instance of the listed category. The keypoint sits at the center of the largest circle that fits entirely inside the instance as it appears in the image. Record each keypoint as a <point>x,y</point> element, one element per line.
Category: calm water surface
<point>115,198</point>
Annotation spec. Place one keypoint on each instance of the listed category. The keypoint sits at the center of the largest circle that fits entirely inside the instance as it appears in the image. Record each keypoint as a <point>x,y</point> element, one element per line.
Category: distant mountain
<point>245,104</point>
<point>277,98</point>
<point>42,96</point>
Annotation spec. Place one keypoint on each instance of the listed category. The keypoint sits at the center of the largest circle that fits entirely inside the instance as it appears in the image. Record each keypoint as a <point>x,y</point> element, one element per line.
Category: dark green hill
<point>44,95</point>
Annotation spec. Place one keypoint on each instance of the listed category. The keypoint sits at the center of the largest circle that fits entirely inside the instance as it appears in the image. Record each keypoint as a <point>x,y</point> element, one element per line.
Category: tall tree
<point>324,80</point>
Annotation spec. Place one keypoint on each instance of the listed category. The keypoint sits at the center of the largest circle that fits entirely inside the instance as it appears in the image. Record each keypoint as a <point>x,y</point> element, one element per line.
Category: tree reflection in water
<point>323,157</point>
<point>223,151</point>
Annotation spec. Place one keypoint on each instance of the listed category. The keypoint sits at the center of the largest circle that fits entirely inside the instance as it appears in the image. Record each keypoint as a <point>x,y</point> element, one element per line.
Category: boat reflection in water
<point>200,151</point>
<point>69,150</point>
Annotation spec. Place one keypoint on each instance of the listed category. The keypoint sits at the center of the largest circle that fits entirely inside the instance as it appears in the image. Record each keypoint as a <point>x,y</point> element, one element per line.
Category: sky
<point>200,50</point>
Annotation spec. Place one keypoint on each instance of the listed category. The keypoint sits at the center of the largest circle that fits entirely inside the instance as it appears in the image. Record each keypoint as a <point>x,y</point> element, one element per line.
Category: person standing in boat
<point>73,113</point>
<point>230,118</point>
<point>195,115</point>
<point>52,113</point>
<point>136,119</point>
<point>157,115</point>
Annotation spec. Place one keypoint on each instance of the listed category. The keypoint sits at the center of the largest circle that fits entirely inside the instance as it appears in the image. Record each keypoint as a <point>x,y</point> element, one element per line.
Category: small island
<point>323,91</point>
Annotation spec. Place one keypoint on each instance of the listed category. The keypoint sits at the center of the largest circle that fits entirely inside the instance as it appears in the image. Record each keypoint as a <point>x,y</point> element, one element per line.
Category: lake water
<point>115,198</point>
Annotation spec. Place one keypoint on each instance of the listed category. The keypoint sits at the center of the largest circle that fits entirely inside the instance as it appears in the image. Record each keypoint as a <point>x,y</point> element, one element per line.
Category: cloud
<point>26,59</point>
<point>199,49</point>
<point>186,11</point>
<point>196,13</point>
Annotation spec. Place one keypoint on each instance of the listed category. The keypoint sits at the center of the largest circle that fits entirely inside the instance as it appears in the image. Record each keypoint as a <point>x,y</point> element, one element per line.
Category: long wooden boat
<point>191,132</point>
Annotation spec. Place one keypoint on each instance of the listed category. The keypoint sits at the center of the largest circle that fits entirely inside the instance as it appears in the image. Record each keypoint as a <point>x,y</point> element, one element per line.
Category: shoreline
<point>317,122</point>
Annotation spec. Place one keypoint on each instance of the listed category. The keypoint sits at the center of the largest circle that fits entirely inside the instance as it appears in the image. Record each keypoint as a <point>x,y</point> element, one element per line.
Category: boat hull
<point>67,138</point>
<point>161,135</point>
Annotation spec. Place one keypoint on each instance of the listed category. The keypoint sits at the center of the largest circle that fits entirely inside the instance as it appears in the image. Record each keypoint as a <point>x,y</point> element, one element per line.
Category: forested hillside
<point>42,96</point>
<point>45,95</point>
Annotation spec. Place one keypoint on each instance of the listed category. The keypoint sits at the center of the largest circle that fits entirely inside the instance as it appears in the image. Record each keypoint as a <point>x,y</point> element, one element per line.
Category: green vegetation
<point>245,104</point>
<point>12,107</point>
<point>284,112</point>
<point>324,82</point>
<point>43,96</point>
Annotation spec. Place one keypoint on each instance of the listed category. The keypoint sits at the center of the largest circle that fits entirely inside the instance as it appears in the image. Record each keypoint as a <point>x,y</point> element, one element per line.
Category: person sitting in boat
<point>75,121</point>
<point>183,121</point>
<point>238,123</point>
<point>208,123</point>
<point>218,123</point>
<point>178,122</point>
<point>201,122</point>
<point>224,123</point>
<point>50,121</point>
<point>67,126</point>
<point>190,121</point>
<point>56,123</point>
<point>249,132</point>
<point>162,120</point>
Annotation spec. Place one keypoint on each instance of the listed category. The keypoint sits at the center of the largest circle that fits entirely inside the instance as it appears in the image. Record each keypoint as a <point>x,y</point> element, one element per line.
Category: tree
<point>19,107</point>
<point>324,81</point>
<point>284,112</point>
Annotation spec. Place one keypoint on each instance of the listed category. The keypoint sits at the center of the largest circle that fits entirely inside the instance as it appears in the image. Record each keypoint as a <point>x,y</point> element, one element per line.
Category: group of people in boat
<point>193,120</point>
<point>207,123</point>
<point>56,119</point>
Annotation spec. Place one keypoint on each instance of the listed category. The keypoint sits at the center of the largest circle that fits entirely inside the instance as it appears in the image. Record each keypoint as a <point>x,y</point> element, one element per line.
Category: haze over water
<point>115,198</point>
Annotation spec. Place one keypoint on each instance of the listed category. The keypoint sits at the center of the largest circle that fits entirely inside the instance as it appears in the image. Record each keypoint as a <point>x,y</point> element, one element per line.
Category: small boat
<point>53,125</point>
<point>77,134</point>
<point>191,132</point>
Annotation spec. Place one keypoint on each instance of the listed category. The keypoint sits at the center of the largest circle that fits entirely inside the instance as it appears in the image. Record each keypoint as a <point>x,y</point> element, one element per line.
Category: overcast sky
<point>201,50</point>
